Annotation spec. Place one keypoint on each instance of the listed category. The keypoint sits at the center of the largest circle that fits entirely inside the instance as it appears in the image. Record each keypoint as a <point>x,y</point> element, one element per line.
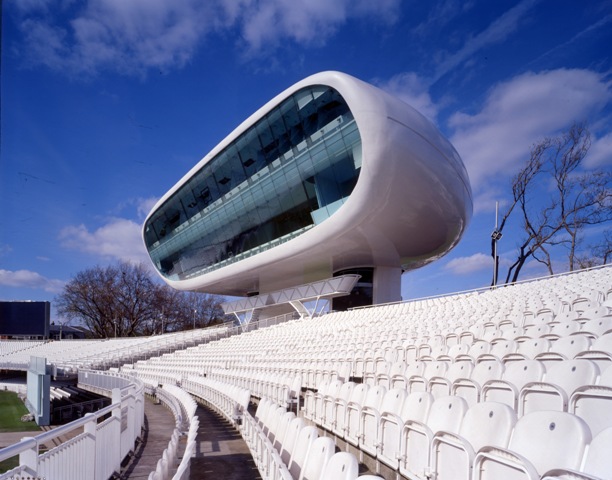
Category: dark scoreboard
<point>19,318</point>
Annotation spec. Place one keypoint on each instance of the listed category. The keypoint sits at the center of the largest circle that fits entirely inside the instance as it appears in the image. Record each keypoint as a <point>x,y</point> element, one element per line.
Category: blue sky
<point>107,103</point>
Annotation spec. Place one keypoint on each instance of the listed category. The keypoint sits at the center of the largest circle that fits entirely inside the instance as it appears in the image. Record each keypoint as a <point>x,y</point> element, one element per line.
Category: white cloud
<point>118,239</point>
<point>268,22</point>
<point>133,36</point>
<point>125,36</point>
<point>600,153</point>
<point>29,279</point>
<point>471,264</point>
<point>414,90</point>
<point>496,32</point>
<point>520,112</point>
<point>145,205</point>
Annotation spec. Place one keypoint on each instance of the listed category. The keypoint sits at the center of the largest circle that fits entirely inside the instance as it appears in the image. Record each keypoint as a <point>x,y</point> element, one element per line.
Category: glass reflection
<point>287,173</point>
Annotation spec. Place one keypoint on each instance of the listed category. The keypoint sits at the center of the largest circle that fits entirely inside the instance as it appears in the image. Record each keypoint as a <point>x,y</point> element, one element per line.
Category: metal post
<point>495,236</point>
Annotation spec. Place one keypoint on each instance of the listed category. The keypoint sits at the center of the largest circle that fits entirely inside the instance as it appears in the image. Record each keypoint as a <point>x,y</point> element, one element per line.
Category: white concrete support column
<point>387,285</point>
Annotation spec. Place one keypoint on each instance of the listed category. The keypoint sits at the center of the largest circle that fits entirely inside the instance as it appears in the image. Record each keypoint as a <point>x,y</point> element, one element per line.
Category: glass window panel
<point>279,200</point>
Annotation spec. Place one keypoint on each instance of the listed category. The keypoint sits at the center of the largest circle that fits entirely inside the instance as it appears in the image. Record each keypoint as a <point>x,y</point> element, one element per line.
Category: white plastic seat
<point>381,369</point>
<point>329,420</point>
<point>373,399</point>
<point>470,388</point>
<point>416,408</point>
<point>567,315</point>
<point>392,403</point>
<point>341,466</point>
<point>479,347</point>
<point>563,329</point>
<point>516,375</point>
<point>541,441</point>
<point>484,424</point>
<point>593,403</point>
<point>558,384</point>
<point>600,351</point>
<point>340,408</point>
<point>536,331</point>
<point>302,445</point>
<point>441,386</point>
<point>272,419</point>
<point>432,369</point>
<point>319,453</point>
<point>414,368</point>
<point>445,414</point>
<point>325,397</point>
<point>528,349</point>
<point>291,434</point>
<point>278,436</point>
<point>384,378</point>
<point>310,399</point>
<point>454,351</point>
<point>597,462</point>
<point>565,348</point>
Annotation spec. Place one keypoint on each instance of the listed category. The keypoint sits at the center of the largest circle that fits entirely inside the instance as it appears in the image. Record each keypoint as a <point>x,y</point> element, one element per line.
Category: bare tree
<point>598,254</point>
<point>123,300</point>
<point>557,200</point>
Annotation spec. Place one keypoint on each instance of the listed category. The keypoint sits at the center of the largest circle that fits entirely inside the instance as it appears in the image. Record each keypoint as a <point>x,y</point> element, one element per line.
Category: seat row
<point>285,448</point>
<point>230,400</point>
<point>421,437</point>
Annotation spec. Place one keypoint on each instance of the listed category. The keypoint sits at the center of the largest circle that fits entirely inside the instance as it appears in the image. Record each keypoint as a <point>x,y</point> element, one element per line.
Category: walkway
<point>221,452</point>
<point>158,427</point>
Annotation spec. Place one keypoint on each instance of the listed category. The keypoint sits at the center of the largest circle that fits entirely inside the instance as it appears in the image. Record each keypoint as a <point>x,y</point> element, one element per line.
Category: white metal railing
<point>95,452</point>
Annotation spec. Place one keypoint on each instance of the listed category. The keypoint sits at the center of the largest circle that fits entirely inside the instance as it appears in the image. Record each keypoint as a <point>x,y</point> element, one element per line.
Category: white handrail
<point>97,451</point>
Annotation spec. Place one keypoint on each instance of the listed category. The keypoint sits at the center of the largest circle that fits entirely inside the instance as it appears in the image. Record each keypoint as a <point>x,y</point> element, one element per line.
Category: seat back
<point>570,345</point>
<point>571,374</point>
<point>374,397</point>
<point>503,347</point>
<point>341,466</point>
<point>446,414</point>
<point>319,453</point>
<point>301,447</point>
<point>598,461</point>
<point>522,372</point>
<point>487,370</point>
<point>359,392</point>
<point>566,328</point>
<point>532,347</point>
<point>281,429</point>
<point>393,401</point>
<point>488,423</point>
<point>550,439</point>
<point>291,434</point>
<point>416,406</point>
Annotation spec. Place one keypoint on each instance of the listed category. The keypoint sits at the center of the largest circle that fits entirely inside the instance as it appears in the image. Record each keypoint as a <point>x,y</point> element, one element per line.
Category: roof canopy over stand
<point>247,309</point>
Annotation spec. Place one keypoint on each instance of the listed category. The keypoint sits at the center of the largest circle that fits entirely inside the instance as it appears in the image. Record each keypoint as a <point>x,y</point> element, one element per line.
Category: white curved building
<point>331,176</point>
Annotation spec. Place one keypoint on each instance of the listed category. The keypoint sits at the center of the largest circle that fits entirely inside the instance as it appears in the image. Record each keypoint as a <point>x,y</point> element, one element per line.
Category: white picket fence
<point>97,451</point>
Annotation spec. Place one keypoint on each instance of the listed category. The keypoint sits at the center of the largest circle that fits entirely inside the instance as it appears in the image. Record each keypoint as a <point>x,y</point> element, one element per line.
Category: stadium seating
<point>512,382</point>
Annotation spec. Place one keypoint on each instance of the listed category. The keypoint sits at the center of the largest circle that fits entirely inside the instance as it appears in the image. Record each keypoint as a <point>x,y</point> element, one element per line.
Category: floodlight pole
<point>495,236</point>
<point>194,315</point>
